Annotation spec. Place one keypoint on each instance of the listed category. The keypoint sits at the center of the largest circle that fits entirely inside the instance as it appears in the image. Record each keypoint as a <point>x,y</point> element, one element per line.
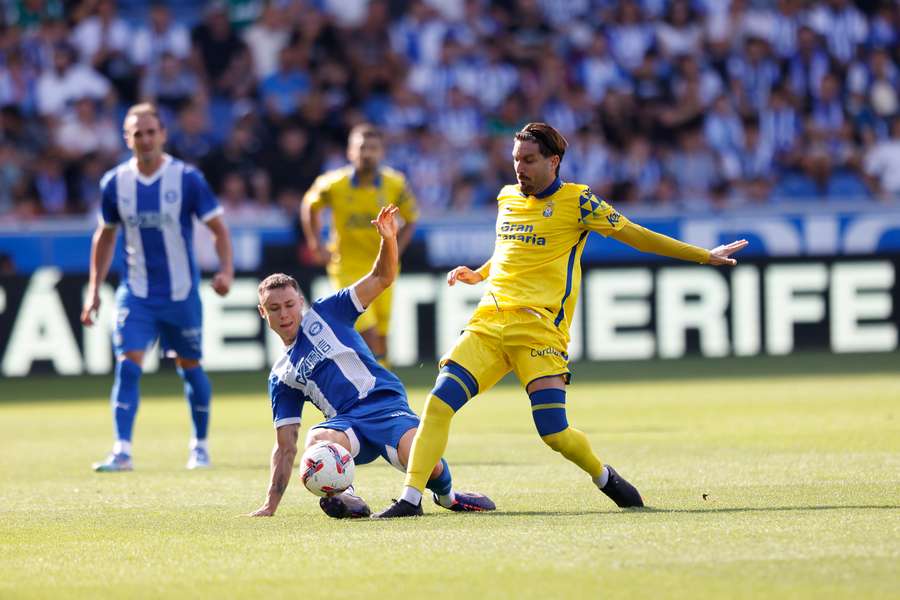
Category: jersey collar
<point>149,179</point>
<point>354,179</point>
<point>551,189</point>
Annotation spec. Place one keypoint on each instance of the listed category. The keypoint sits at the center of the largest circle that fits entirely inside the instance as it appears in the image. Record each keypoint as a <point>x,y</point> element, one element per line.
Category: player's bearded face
<point>365,153</point>
<point>534,172</point>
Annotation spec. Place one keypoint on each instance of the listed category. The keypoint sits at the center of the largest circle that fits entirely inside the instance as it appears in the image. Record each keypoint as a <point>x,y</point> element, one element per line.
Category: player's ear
<point>262,311</point>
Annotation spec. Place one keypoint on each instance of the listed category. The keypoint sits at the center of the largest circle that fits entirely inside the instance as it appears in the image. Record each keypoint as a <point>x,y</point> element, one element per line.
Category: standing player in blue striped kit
<point>155,198</point>
<point>327,363</point>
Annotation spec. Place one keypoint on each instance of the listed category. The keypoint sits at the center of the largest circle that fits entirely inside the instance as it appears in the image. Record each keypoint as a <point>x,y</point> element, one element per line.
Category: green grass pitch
<point>763,481</point>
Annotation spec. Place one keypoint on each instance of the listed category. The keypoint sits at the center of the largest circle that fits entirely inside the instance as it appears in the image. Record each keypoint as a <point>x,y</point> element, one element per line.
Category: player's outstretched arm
<point>467,275</point>
<point>645,240</point>
<point>384,271</point>
<point>103,245</point>
<point>225,275</point>
<point>282,465</point>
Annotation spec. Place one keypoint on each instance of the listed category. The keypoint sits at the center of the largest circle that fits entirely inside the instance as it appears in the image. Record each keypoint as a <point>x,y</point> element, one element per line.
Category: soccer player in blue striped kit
<point>155,198</point>
<point>326,362</point>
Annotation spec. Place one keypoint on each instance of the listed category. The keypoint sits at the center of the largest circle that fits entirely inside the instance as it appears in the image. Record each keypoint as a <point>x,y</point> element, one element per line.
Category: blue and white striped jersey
<point>329,364</point>
<point>156,213</point>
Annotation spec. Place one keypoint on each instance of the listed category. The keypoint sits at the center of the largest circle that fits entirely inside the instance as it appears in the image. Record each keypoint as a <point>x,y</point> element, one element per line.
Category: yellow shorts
<point>378,314</point>
<point>522,341</point>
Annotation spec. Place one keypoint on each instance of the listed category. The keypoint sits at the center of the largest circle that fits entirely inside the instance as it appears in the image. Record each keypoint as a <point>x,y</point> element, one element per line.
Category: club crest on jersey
<point>315,328</point>
<point>171,196</point>
<point>613,218</point>
<point>548,210</point>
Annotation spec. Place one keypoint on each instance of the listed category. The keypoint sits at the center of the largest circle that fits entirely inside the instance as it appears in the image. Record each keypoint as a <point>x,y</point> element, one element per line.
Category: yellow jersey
<point>537,253</point>
<point>353,241</point>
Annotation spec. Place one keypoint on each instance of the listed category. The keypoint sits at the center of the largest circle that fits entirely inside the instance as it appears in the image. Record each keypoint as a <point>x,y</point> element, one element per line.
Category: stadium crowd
<point>694,104</point>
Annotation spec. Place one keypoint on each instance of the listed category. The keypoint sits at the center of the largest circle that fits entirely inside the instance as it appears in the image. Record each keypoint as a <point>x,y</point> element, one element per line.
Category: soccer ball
<point>326,469</point>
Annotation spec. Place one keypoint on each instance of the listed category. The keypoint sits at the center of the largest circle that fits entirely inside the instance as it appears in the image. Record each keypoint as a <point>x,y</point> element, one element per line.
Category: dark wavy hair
<point>550,142</point>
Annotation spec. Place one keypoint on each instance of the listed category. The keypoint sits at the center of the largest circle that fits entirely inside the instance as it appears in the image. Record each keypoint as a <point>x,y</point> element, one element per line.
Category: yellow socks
<point>574,445</point>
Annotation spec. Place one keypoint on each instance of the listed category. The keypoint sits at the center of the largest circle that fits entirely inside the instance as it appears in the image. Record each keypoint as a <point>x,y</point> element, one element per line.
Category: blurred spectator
<point>842,25</point>
<point>103,41</point>
<point>58,86</point>
<point>216,47</point>
<point>18,84</point>
<point>679,33</point>
<point>283,91</point>
<point>266,38</point>
<point>638,172</point>
<point>12,177</point>
<point>882,164</point>
<point>83,132</point>
<point>239,154</point>
<point>294,164</point>
<point>694,168</point>
<point>30,14</point>
<point>48,185</point>
<point>191,140</point>
<point>597,71</point>
<point>171,84</point>
<point>160,37</point>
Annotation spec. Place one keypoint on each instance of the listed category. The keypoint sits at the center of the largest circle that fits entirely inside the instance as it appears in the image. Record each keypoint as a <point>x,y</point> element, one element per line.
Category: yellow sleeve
<point>645,240</point>
<point>597,215</point>
<point>319,195</point>
<point>484,270</point>
<point>406,202</point>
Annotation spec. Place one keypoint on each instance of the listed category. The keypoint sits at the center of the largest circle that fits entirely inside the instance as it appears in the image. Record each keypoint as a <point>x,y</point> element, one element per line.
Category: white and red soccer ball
<point>326,469</point>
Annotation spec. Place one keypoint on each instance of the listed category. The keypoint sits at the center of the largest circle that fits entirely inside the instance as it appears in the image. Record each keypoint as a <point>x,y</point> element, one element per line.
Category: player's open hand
<point>89,312</point>
<point>385,222</point>
<point>221,282</point>
<point>721,255</point>
<point>463,274</point>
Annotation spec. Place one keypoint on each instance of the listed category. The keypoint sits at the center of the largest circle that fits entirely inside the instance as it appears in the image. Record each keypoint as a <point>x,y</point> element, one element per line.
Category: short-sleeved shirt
<point>328,364</point>
<point>157,215</point>
<point>353,241</point>
<point>539,241</point>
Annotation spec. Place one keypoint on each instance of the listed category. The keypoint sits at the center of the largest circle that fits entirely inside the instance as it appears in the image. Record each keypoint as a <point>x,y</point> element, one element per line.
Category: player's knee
<point>455,386</point>
<point>187,363</point>
<point>328,435</point>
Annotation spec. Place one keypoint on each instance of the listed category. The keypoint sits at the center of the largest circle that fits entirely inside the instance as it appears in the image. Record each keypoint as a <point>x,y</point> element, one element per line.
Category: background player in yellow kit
<point>355,194</point>
<point>522,321</point>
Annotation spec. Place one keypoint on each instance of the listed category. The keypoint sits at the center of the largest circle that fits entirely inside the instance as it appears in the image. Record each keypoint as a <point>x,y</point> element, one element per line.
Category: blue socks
<point>197,390</point>
<point>442,485</point>
<point>125,398</point>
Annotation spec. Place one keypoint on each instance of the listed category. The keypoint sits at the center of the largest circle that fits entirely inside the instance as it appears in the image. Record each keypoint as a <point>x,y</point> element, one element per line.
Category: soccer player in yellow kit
<point>522,321</point>
<point>355,194</point>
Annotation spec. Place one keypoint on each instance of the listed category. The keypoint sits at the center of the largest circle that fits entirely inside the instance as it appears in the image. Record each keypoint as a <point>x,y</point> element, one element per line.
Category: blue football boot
<point>114,463</point>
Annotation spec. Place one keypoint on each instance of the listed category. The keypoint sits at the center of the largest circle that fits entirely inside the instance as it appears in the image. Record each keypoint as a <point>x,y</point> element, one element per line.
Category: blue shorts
<point>375,428</point>
<point>141,321</point>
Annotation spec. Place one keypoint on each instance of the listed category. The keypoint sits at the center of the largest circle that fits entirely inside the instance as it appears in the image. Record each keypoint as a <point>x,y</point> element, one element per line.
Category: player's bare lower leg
<point>548,406</point>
